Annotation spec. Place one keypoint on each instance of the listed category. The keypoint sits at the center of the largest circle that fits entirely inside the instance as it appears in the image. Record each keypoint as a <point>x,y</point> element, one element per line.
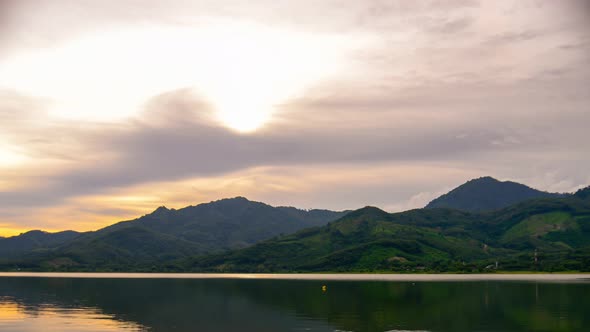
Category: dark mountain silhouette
<point>486,194</point>
<point>168,234</point>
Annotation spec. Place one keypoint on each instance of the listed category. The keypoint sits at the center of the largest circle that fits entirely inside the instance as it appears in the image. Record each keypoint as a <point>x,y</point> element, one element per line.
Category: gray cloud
<point>447,26</point>
<point>513,37</point>
<point>447,83</point>
<point>582,45</point>
<point>167,145</point>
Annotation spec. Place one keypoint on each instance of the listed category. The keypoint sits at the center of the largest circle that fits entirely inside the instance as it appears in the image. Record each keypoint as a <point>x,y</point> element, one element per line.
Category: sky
<point>109,109</point>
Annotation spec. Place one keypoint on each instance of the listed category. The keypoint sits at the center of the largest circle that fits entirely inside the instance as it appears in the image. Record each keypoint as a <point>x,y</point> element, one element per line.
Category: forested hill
<point>486,194</point>
<point>165,234</point>
<point>237,235</point>
<point>555,230</point>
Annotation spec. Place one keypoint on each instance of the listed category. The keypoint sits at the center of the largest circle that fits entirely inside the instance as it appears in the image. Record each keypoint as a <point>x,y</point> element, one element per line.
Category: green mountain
<point>238,235</point>
<point>486,194</point>
<point>168,234</point>
<point>369,239</point>
<point>33,241</point>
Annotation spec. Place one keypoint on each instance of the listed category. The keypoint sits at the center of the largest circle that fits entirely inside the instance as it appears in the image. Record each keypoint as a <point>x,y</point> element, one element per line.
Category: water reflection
<point>45,317</point>
<point>63,304</point>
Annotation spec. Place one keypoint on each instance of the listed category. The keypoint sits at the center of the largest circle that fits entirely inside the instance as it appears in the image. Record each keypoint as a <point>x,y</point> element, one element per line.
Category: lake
<point>152,302</point>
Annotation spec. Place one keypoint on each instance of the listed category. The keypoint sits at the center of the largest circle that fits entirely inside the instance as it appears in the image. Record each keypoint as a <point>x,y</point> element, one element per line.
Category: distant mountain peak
<point>367,212</point>
<point>36,231</point>
<point>488,180</point>
<point>161,211</point>
<point>487,193</point>
<point>485,179</point>
<point>237,199</point>
<point>372,210</point>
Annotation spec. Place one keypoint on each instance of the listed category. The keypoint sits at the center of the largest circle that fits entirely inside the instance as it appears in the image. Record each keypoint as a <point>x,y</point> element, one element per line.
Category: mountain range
<point>163,235</point>
<point>549,234</point>
<point>464,230</point>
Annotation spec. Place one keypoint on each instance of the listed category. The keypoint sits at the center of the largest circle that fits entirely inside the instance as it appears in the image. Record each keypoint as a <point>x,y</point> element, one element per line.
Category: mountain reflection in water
<point>104,304</point>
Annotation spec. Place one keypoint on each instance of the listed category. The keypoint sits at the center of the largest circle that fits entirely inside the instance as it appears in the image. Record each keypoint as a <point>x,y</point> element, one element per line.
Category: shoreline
<point>547,277</point>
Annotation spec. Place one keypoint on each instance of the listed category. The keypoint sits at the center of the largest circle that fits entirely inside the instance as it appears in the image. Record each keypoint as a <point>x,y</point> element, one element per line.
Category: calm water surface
<point>144,304</point>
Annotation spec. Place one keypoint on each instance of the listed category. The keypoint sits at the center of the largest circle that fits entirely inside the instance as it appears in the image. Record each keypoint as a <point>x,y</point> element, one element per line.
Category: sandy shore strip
<point>546,277</point>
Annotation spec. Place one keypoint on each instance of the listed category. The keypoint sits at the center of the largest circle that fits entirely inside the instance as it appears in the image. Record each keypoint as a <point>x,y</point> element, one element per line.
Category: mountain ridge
<point>436,240</point>
<point>239,235</point>
<point>172,233</point>
<point>487,194</point>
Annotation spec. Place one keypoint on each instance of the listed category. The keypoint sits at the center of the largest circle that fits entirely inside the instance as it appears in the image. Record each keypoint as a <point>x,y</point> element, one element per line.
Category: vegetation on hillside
<point>161,236</point>
<point>539,235</point>
<point>236,235</point>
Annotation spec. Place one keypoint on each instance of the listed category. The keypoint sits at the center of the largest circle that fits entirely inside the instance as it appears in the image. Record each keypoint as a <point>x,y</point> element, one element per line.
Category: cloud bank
<point>442,92</point>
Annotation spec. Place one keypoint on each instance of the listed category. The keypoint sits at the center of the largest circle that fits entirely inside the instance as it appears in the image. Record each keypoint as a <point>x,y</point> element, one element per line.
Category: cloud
<point>513,37</point>
<point>449,26</point>
<point>582,45</point>
<point>169,143</point>
<point>445,91</point>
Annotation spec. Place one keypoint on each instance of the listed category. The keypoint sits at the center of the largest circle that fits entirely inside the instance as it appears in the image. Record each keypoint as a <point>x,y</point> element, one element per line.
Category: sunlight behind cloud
<point>9,157</point>
<point>242,70</point>
<point>252,69</point>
